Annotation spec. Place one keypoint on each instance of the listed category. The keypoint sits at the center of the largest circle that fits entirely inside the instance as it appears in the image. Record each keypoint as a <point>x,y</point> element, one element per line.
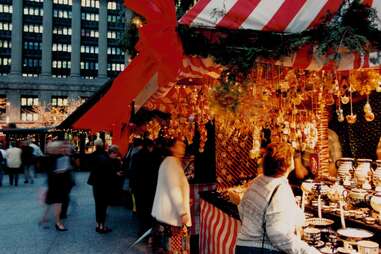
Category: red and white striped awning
<point>290,16</point>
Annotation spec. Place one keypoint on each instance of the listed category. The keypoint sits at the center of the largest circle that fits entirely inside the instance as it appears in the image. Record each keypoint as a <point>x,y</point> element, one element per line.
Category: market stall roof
<point>289,16</point>
<point>86,106</point>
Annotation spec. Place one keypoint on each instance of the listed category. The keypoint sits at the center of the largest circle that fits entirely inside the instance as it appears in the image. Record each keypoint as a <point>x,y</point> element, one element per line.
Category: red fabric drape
<point>160,51</point>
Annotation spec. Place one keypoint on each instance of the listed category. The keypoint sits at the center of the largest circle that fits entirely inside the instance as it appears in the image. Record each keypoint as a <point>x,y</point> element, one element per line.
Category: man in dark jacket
<point>100,178</point>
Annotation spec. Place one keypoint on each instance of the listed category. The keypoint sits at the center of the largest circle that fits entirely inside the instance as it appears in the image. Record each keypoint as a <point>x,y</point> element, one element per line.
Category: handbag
<point>264,219</point>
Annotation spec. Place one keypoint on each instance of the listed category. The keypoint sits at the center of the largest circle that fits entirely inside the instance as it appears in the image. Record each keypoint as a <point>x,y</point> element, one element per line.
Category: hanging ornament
<point>352,118</point>
<point>344,99</point>
<point>340,115</point>
<point>367,107</point>
<point>369,117</point>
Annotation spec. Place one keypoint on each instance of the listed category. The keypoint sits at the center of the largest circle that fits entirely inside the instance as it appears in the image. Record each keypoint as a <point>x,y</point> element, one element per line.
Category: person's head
<point>277,160</point>
<point>98,144</point>
<point>113,151</point>
<point>175,147</point>
<point>12,144</point>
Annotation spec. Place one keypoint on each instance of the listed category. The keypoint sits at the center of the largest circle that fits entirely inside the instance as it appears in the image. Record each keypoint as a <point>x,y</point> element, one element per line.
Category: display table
<point>219,224</point>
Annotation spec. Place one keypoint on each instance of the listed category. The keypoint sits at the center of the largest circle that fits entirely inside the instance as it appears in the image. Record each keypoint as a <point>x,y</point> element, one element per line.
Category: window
<point>5,8</point>
<point>61,47</point>
<point>32,28</point>
<point>28,111</point>
<point>63,2</point>
<point>89,16</point>
<point>32,63</point>
<point>111,5</point>
<point>5,26</point>
<point>59,101</point>
<point>61,64</point>
<point>62,14</point>
<point>30,45</point>
<point>5,44</point>
<point>90,3</point>
<point>62,30</point>
<point>33,11</point>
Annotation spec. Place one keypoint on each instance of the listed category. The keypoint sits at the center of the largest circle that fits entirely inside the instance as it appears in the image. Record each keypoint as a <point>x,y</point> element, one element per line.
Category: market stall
<point>258,72</point>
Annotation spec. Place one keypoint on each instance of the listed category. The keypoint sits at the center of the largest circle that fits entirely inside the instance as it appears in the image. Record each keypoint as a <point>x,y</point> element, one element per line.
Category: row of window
<point>62,14</point>
<point>61,64</point>
<point>32,45</point>
<point>90,3</point>
<point>5,44</point>
<point>89,49</point>
<point>89,66</point>
<point>28,102</point>
<point>33,28</point>
<point>33,11</point>
<point>37,1</point>
<point>5,8</point>
<point>112,18</point>
<point>113,35</point>
<point>112,5</point>
<point>62,30</point>
<point>4,61</point>
<point>89,16</point>
<point>114,51</point>
<point>62,47</point>
<point>32,62</point>
<point>115,67</point>
<point>4,26</point>
<point>65,2</point>
<point>30,75</point>
<point>89,33</point>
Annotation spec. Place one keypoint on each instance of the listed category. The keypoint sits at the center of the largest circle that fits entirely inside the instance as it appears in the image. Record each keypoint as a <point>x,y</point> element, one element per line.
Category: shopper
<point>171,204</point>
<point>145,184</point>
<point>268,210</point>
<point>100,179</point>
<point>3,163</point>
<point>59,182</point>
<point>27,159</point>
<point>13,156</point>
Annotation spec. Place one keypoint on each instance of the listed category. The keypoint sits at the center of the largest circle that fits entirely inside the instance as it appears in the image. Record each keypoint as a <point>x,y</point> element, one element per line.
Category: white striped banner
<point>219,231</point>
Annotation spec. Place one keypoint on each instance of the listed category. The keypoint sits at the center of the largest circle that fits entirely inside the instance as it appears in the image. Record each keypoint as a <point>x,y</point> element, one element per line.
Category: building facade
<point>53,52</point>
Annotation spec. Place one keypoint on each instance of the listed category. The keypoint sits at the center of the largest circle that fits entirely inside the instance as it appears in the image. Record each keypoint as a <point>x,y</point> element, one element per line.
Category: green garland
<point>354,28</point>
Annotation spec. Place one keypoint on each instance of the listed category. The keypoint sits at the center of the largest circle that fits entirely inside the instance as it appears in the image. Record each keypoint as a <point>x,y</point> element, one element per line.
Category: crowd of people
<point>20,157</point>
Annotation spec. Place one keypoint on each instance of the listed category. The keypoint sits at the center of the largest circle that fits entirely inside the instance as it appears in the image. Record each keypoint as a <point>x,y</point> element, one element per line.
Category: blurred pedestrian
<point>145,184</point>
<point>171,208</point>
<point>3,163</point>
<point>59,182</point>
<point>68,160</point>
<point>27,159</point>
<point>13,156</point>
<point>100,179</point>
<point>37,154</point>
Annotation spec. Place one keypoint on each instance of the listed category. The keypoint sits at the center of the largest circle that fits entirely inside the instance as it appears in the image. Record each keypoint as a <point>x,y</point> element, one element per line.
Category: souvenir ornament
<point>344,99</point>
<point>367,108</point>
<point>351,119</point>
<point>340,115</point>
<point>369,117</point>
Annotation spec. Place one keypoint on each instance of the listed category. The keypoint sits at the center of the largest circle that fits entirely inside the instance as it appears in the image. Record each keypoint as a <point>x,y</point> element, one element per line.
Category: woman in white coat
<point>171,208</point>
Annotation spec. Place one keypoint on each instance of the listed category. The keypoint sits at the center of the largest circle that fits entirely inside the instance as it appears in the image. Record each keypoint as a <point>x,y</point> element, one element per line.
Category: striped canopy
<point>289,16</point>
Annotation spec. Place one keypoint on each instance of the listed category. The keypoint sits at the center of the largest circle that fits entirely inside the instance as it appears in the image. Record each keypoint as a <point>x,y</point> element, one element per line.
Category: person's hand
<point>184,219</point>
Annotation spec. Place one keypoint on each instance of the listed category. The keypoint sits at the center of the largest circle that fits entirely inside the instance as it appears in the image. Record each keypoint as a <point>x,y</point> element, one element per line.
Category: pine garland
<point>354,29</point>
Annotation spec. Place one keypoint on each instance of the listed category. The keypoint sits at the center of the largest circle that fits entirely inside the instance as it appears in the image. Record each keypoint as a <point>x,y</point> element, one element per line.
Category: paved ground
<point>20,211</point>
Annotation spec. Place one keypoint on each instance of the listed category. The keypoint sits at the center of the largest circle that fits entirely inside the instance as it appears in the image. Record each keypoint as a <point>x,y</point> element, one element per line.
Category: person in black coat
<point>101,179</point>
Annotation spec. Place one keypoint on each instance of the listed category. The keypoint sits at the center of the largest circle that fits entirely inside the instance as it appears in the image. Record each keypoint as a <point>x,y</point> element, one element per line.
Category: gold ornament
<point>351,119</point>
<point>369,116</point>
<point>344,99</point>
<point>367,108</point>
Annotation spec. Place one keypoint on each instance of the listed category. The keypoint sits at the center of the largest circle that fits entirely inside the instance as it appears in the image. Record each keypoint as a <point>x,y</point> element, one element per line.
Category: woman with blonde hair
<point>171,208</point>
<point>268,210</point>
